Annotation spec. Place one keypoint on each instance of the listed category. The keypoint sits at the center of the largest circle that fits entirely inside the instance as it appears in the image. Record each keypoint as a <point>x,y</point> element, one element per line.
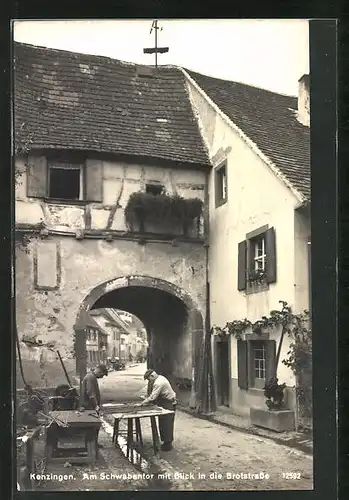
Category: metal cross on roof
<point>155,50</point>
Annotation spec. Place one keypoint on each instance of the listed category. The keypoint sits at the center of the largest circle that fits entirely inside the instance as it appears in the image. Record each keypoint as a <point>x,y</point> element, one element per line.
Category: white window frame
<point>259,258</point>
<point>262,362</point>
<point>221,180</point>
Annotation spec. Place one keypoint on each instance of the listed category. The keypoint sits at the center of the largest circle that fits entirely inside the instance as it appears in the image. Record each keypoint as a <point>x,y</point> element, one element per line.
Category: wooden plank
<point>74,418</point>
<point>72,460</point>
<point>154,413</point>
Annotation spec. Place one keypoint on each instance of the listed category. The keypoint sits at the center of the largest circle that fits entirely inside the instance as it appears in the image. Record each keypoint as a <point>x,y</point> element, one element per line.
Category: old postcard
<point>163,250</point>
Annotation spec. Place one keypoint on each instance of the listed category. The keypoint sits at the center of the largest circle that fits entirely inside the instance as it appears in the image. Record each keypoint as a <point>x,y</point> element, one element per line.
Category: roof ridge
<point>134,64</point>
<point>191,71</point>
<point>66,51</point>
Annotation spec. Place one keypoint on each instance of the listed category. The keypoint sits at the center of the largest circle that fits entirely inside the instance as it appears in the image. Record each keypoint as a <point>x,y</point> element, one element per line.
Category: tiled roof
<point>86,320</point>
<point>269,120</point>
<point>87,102</point>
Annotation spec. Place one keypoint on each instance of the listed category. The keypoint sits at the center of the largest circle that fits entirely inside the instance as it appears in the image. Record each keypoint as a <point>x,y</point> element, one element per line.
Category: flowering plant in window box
<point>161,208</point>
<point>257,276</point>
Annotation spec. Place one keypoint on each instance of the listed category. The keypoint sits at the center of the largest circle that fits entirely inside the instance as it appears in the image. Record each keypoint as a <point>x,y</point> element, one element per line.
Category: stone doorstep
<point>296,440</point>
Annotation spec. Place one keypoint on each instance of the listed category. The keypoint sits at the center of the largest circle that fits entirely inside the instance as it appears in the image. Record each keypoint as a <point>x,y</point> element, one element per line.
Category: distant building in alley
<point>124,330</point>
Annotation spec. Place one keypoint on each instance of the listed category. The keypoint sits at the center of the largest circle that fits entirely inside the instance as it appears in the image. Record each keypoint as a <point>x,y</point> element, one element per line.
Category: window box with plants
<point>162,209</point>
<point>257,277</point>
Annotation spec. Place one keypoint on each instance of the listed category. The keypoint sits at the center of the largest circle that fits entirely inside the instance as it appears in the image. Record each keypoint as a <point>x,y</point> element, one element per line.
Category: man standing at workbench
<point>161,393</point>
<point>90,395</point>
<point>91,398</point>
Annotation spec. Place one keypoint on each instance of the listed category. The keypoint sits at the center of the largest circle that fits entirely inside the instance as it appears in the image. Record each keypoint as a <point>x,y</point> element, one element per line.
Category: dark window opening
<point>221,185</point>
<point>64,183</point>
<point>154,189</point>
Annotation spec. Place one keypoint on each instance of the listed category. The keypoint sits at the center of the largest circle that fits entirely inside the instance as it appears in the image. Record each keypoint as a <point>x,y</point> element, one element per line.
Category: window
<point>154,189</point>
<point>256,362</point>
<point>257,260</point>
<point>70,179</point>
<point>221,185</point>
<point>65,181</point>
<point>258,254</point>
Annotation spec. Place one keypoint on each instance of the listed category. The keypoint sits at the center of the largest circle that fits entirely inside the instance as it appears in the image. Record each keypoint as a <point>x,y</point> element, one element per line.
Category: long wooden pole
<point>279,350</point>
<point>65,371</point>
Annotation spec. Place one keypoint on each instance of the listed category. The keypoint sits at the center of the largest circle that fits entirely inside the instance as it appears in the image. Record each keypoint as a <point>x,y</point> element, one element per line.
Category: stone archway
<point>173,321</point>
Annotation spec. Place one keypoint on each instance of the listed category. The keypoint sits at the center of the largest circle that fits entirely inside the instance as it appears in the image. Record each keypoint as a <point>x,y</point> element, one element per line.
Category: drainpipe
<point>309,275</point>
<point>207,325</point>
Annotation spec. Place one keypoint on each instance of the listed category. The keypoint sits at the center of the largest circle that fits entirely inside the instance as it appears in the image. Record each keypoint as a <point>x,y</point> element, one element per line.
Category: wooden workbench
<point>133,414</point>
<point>85,424</point>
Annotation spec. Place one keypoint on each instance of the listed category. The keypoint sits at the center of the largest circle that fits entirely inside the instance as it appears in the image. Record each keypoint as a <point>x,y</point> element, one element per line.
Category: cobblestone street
<point>206,455</point>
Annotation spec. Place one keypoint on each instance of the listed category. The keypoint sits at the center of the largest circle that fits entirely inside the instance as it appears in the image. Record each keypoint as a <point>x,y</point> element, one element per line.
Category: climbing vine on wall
<point>297,326</point>
<point>22,239</point>
<point>22,145</point>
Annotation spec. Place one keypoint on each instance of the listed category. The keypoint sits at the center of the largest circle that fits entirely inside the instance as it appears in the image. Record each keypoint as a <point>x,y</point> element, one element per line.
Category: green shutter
<point>242,262</point>
<point>37,177</point>
<point>270,243</point>
<point>94,180</point>
<point>270,346</point>
<point>242,364</point>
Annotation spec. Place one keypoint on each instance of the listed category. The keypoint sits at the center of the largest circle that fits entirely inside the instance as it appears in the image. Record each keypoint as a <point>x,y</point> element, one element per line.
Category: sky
<point>271,54</point>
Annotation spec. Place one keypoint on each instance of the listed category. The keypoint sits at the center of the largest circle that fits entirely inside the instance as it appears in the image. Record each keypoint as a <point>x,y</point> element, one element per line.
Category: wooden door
<point>223,373</point>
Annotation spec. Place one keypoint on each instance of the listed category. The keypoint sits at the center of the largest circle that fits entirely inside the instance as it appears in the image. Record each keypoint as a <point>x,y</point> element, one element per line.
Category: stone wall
<point>47,302</point>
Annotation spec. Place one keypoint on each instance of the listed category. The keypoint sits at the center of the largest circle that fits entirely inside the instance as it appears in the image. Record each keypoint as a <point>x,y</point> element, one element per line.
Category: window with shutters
<point>256,362</point>
<point>60,179</point>
<point>257,260</point>
<point>221,186</point>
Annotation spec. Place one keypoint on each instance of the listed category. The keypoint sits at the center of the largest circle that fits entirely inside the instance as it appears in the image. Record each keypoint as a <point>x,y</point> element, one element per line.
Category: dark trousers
<point>166,422</point>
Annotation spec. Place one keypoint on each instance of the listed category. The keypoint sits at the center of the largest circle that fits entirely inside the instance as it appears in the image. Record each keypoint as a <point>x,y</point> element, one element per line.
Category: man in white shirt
<point>161,393</point>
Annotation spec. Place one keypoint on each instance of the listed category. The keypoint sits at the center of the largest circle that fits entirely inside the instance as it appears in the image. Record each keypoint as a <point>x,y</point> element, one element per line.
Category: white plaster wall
<point>301,263</point>
<point>256,196</point>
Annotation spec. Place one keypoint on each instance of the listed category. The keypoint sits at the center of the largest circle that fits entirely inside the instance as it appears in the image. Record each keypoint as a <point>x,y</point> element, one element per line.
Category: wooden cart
<point>84,425</point>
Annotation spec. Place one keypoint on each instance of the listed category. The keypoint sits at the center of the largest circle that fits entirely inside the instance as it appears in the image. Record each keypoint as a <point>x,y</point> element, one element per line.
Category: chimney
<point>145,71</point>
<point>304,100</point>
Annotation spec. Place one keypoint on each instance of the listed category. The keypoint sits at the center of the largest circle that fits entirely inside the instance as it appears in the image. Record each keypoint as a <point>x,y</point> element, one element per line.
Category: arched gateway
<point>172,320</point>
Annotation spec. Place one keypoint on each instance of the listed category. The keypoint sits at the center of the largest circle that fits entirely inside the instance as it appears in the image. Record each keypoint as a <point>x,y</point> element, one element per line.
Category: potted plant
<point>274,393</point>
